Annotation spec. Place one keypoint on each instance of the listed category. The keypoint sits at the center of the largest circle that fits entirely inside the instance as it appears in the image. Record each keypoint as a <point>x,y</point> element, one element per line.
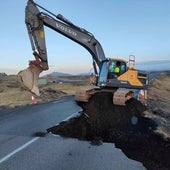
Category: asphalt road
<point>20,149</point>
<point>27,120</point>
<point>18,126</point>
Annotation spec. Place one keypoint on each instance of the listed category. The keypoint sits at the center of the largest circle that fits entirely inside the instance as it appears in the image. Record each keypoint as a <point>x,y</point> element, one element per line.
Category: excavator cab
<point>121,74</point>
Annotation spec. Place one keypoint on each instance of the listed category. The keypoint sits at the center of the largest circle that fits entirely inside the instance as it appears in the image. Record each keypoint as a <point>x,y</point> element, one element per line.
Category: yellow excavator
<point>111,75</point>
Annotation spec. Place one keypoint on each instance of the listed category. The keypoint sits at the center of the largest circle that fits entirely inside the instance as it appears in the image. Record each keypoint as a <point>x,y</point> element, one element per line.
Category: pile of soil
<point>131,128</point>
<point>49,94</point>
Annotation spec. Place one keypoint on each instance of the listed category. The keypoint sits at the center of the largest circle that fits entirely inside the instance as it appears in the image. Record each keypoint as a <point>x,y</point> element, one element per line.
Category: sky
<point>123,28</point>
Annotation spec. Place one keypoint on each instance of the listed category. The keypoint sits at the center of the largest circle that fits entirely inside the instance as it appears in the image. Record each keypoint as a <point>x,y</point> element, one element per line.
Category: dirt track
<point>148,141</point>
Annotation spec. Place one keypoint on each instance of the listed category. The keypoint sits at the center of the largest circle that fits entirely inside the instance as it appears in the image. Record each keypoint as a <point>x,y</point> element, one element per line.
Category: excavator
<point>118,83</point>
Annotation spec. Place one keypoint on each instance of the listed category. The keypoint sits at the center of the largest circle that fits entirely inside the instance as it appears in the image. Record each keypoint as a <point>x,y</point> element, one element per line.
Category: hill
<point>57,74</point>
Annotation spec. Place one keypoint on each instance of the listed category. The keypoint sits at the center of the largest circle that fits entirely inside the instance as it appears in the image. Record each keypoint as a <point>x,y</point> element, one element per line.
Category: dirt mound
<point>142,145</point>
<point>134,128</point>
<point>49,94</point>
<point>99,115</point>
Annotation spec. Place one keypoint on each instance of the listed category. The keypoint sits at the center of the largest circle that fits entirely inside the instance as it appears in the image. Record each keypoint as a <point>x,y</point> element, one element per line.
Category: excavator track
<point>118,95</point>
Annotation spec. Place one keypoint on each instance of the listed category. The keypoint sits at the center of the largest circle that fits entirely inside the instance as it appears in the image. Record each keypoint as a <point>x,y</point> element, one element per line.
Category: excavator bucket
<point>29,78</point>
<point>26,77</point>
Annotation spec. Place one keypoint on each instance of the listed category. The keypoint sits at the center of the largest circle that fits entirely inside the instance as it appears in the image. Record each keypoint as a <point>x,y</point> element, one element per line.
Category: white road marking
<point>72,115</point>
<point>58,101</point>
<point>31,141</point>
<point>18,149</point>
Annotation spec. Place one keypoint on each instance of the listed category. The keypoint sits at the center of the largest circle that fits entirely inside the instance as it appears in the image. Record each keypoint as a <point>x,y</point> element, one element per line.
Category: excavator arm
<point>35,22</point>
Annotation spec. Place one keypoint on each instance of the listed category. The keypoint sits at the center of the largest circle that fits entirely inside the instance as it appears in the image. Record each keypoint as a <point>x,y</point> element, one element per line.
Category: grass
<point>68,88</point>
<point>14,97</point>
<point>160,89</point>
<point>13,94</point>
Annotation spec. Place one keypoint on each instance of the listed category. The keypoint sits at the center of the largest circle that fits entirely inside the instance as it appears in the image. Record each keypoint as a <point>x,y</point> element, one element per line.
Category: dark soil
<point>100,121</point>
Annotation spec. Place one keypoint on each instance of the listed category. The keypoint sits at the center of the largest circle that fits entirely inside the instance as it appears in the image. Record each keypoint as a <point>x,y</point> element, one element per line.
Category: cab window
<point>116,68</point>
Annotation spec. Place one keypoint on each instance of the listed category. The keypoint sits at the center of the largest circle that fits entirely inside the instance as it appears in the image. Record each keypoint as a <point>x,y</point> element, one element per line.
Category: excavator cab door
<point>103,74</point>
